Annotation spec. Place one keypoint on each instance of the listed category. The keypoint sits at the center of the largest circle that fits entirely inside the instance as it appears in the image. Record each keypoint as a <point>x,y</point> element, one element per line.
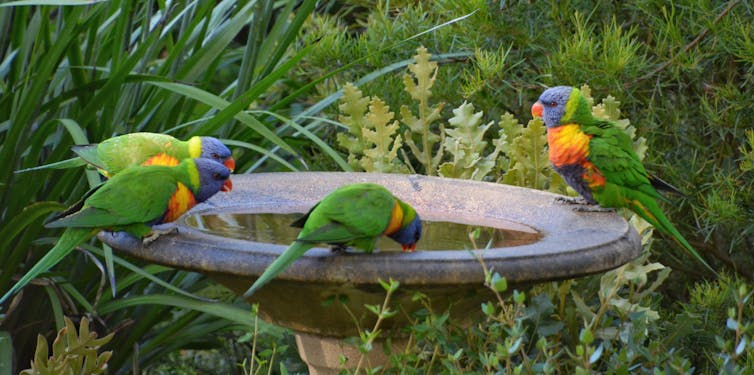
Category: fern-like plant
<point>419,85</point>
<point>373,140</point>
<point>526,162</point>
<point>464,140</point>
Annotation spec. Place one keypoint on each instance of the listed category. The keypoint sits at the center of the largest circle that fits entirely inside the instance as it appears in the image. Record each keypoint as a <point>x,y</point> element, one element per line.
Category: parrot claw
<point>592,208</point>
<point>572,200</point>
<point>158,231</point>
<point>338,249</point>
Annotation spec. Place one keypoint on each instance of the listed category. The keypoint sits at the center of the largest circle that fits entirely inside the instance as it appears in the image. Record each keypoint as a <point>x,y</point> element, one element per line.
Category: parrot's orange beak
<point>409,248</point>
<point>536,109</point>
<point>227,186</point>
<point>230,163</point>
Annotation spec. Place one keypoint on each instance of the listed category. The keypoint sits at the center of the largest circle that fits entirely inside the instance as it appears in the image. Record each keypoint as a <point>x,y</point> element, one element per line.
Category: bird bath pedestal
<point>321,293</point>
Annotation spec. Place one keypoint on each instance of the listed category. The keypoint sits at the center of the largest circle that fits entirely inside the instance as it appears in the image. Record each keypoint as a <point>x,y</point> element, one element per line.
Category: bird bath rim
<point>571,245</point>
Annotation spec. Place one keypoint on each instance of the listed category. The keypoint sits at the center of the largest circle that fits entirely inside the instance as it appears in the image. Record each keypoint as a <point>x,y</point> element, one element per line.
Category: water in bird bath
<point>437,235</point>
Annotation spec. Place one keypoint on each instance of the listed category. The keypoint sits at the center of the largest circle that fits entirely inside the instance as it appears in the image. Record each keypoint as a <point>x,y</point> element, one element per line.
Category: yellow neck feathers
<point>396,220</point>
<point>195,147</point>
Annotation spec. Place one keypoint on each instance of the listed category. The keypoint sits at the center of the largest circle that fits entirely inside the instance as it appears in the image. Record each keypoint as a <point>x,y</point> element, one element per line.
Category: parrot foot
<point>572,200</point>
<point>158,231</point>
<point>592,208</point>
<point>338,249</point>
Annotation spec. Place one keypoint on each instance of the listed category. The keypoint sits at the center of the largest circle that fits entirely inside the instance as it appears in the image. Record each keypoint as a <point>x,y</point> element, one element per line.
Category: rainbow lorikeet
<point>595,157</point>
<point>117,153</point>
<point>132,201</point>
<point>352,215</point>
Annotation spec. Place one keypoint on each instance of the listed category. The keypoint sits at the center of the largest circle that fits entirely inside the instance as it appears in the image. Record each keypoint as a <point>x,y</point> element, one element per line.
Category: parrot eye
<point>215,155</point>
<point>217,176</point>
<point>552,104</point>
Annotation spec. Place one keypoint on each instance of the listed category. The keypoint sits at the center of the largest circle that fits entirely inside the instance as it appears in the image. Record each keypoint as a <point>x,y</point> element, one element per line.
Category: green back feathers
<point>118,153</point>
<point>138,194</point>
<point>352,215</point>
<point>349,212</point>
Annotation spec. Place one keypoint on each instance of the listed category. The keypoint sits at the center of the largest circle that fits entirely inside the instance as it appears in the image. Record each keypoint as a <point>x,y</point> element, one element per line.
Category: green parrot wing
<point>137,195</point>
<point>118,153</point>
<point>610,150</point>
<point>352,211</point>
<point>334,233</point>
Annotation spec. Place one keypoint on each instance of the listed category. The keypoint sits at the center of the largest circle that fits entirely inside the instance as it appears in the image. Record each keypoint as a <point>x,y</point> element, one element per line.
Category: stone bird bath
<point>558,243</point>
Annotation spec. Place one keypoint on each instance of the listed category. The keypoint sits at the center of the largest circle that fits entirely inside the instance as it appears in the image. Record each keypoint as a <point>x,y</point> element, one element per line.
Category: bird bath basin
<point>232,238</point>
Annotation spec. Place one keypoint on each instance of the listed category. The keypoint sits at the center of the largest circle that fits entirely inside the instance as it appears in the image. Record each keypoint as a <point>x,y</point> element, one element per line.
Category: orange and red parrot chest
<point>180,202</point>
<point>569,150</point>
<point>182,199</point>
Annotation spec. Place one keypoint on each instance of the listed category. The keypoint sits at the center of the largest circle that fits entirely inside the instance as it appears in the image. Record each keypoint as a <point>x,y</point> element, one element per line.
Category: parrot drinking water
<point>353,215</point>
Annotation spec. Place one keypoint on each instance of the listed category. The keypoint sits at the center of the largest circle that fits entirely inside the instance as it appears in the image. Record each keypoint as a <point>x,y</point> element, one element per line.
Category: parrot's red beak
<point>536,109</point>
<point>409,248</point>
<point>227,186</point>
<point>230,163</point>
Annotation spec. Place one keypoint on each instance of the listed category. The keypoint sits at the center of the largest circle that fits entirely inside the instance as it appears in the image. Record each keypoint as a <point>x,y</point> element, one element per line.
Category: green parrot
<point>117,153</point>
<point>352,215</point>
<point>132,201</point>
<point>596,158</point>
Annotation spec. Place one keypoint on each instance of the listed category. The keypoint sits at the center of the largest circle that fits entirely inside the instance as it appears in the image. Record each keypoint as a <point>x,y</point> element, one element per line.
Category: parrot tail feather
<point>651,212</point>
<point>293,252</point>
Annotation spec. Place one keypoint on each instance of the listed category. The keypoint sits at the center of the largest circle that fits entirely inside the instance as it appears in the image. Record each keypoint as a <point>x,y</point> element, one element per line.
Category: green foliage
<point>611,323</point>
<point>419,86</point>
<point>747,152</point>
<point>682,71</point>
<point>373,142</point>
<point>526,161</point>
<point>464,140</point>
<point>72,353</point>
<point>80,72</point>
<point>662,63</point>
<point>607,54</point>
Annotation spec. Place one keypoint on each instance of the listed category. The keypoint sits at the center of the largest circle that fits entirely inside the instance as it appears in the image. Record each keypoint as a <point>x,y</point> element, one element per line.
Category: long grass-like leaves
<point>75,72</point>
<point>220,103</point>
<point>220,310</point>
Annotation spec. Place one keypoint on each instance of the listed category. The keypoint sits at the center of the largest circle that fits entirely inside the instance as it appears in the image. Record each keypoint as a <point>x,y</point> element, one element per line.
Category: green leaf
<point>488,308</point>
<point>220,310</point>
<point>499,283</point>
<point>6,353</point>
<point>585,336</point>
<point>49,2</point>
<point>220,103</point>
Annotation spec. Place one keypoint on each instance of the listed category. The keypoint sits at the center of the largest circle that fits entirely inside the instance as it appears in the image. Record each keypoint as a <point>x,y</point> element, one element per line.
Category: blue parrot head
<point>213,149</point>
<point>213,177</point>
<point>551,106</point>
<point>409,234</point>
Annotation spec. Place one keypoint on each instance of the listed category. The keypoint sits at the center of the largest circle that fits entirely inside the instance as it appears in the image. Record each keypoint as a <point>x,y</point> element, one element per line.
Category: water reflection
<point>275,228</point>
